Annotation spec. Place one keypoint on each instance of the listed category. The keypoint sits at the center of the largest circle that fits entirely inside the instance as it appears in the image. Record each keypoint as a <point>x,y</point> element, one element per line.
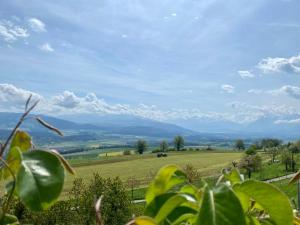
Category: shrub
<point>115,207</point>
<point>127,152</point>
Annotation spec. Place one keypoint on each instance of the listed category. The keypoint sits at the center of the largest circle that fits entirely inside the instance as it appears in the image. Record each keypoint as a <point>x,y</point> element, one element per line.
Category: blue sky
<point>232,60</point>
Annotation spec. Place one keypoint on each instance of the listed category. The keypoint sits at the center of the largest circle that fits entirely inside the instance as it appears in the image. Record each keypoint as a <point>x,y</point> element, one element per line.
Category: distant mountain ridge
<point>122,126</point>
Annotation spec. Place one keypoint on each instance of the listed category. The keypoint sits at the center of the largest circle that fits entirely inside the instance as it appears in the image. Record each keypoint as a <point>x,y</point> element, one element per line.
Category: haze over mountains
<point>195,130</point>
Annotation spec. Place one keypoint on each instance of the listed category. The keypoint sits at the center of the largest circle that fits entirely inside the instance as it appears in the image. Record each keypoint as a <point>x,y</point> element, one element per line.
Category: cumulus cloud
<point>67,100</point>
<point>11,96</point>
<point>47,47</point>
<point>246,74</point>
<point>227,88</point>
<point>279,65</point>
<point>10,32</point>
<point>37,25</point>
<point>289,90</point>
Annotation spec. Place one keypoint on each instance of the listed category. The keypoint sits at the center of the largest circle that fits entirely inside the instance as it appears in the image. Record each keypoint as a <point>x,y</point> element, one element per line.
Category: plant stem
<point>7,202</point>
<point>16,127</point>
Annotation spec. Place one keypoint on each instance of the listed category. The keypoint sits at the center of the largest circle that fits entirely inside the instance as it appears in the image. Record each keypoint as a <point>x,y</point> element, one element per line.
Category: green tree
<point>272,152</point>
<point>141,146</point>
<point>163,146</point>
<point>270,143</point>
<point>178,143</point>
<point>286,158</point>
<point>251,163</point>
<point>239,144</point>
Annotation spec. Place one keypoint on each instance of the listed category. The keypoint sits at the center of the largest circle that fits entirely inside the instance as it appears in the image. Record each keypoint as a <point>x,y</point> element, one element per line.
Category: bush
<point>116,208</point>
<point>155,150</point>
<point>126,152</point>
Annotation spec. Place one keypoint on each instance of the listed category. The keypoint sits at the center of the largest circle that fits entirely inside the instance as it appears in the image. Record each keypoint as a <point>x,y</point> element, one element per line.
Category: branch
<point>98,211</point>
<point>18,125</point>
<point>6,204</point>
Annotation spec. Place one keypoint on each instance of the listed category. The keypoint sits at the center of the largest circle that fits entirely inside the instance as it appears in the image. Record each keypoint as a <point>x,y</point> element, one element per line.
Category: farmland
<point>144,166</point>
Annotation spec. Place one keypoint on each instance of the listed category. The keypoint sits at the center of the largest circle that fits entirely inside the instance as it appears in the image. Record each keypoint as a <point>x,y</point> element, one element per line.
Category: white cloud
<point>11,32</point>
<point>67,100</point>
<point>47,47</point>
<point>289,90</point>
<point>255,91</point>
<point>227,88</point>
<point>245,74</point>
<point>294,121</point>
<point>37,25</point>
<point>279,65</point>
<point>13,99</point>
<point>11,96</point>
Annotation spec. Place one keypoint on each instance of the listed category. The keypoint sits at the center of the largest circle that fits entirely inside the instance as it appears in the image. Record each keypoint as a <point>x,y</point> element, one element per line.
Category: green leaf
<point>9,220</point>
<point>274,202</point>
<point>13,161</point>
<point>191,190</point>
<point>167,177</point>
<point>171,204</point>
<point>155,205</point>
<point>40,179</point>
<point>64,162</point>
<point>233,176</point>
<point>220,206</point>
<point>143,220</point>
<point>21,140</point>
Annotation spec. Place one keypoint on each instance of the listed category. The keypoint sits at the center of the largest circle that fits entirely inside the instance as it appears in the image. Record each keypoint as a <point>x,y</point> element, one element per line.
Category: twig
<point>17,126</point>
<point>130,222</point>
<point>98,211</point>
<point>27,102</point>
<point>6,205</point>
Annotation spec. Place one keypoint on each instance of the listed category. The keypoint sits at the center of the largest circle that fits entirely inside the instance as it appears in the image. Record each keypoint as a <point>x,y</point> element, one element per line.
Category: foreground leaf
<point>65,163</point>
<point>220,206</point>
<point>171,204</point>
<point>40,179</point>
<point>167,177</point>
<point>9,220</point>
<point>144,220</point>
<point>21,140</point>
<point>275,202</point>
<point>295,178</point>
<point>233,176</point>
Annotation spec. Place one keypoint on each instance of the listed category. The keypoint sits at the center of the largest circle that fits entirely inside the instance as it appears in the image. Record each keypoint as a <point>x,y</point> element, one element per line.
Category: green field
<point>143,166</point>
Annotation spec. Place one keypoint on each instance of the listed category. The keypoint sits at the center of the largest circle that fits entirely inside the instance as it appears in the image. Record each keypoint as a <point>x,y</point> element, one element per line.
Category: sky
<point>234,60</point>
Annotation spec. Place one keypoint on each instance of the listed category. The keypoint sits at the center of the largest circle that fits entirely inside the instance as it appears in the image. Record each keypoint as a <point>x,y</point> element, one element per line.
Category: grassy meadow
<point>142,167</point>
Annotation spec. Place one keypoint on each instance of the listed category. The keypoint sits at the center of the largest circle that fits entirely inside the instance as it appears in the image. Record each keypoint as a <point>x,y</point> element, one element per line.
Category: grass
<point>289,190</point>
<point>143,166</point>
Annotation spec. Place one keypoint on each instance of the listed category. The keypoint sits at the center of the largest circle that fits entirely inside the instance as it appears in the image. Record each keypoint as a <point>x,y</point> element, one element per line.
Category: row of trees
<point>273,148</point>
<point>141,145</point>
<point>263,144</point>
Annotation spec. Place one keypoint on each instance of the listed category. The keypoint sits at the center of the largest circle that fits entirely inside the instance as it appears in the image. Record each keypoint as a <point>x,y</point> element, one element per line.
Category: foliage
<point>115,207</point>
<point>172,200</point>
<point>36,177</point>
<point>270,143</point>
<point>239,144</point>
<point>178,143</point>
<point>273,152</point>
<point>163,146</point>
<point>251,163</point>
<point>191,172</point>
<point>127,152</point>
<point>141,146</point>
